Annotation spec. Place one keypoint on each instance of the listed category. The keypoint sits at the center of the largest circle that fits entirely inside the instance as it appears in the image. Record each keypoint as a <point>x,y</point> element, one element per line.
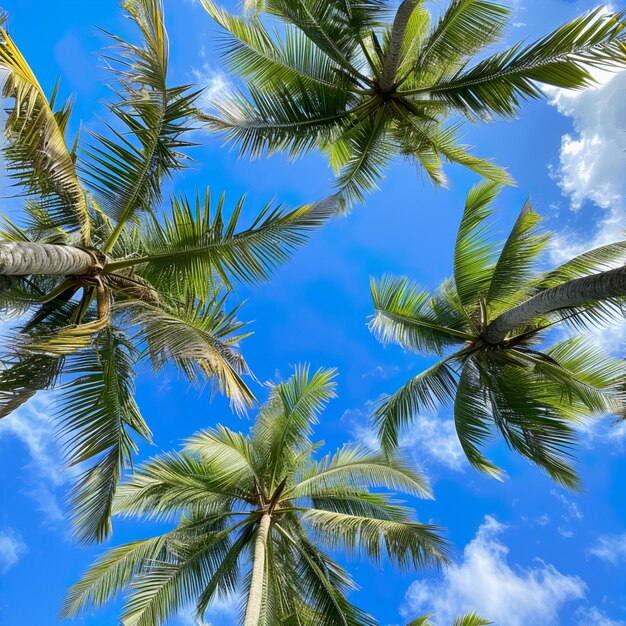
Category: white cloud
<point>592,164</point>
<point>610,548</point>
<point>215,83</point>
<point>485,582</point>
<point>571,509</point>
<point>594,616</point>
<point>11,549</point>
<point>32,424</point>
<point>427,438</point>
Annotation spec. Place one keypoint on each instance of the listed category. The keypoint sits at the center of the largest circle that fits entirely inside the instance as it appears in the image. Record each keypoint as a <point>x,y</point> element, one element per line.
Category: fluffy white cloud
<point>485,582</point>
<point>610,548</point>
<point>11,549</point>
<point>428,437</point>
<point>592,163</point>
<point>32,424</point>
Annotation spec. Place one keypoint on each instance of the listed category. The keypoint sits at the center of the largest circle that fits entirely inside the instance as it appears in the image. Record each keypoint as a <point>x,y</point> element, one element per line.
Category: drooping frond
<point>403,314</point>
<point>405,544</point>
<point>110,574</point>
<point>36,154</point>
<point>472,419</point>
<point>199,340</point>
<point>426,391</point>
<point>97,413</point>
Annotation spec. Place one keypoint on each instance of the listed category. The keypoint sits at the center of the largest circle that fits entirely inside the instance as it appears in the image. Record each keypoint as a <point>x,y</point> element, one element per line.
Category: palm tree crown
<point>261,497</point>
<point>343,79</point>
<point>508,381</point>
<point>104,279</point>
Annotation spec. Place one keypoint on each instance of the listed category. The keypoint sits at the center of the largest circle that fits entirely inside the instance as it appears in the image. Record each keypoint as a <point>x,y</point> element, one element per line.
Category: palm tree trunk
<point>255,595</point>
<point>392,58</point>
<point>18,258</point>
<point>610,284</point>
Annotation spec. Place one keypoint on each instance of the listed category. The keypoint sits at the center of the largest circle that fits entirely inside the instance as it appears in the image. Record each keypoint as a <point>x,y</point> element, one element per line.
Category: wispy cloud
<point>11,549</point>
<point>214,82</point>
<point>33,425</point>
<point>610,548</point>
<point>427,438</point>
<point>596,617</point>
<point>484,581</point>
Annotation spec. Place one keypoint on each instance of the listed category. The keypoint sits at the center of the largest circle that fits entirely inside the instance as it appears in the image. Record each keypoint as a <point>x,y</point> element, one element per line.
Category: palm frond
<point>472,419</point>
<point>593,261</point>
<point>471,619</point>
<point>404,315</point>
<point>474,254</point>
<point>358,467</point>
<point>406,545</point>
<point>37,156</point>
<point>564,58</point>
<point>513,271</point>
<point>110,574</point>
<point>464,29</point>
<point>196,248</point>
<point>97,410</point>
<point>426,391</point>
<point>127,173</point>
<point>199,339</point>
<point>285,423</point>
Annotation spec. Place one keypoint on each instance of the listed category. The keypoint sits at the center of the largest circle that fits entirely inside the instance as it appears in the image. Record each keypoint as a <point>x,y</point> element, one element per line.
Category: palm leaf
<point>434,386</point>
<point>564,58</point>
<point>37,156</point>
<point>474,255</point>
<point>403,315</point>
<point>127,175</point>
<point>194,249</point>
<point>97,409</point>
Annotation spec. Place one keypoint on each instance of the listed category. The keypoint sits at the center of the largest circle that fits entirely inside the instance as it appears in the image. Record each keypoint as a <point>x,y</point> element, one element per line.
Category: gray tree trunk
<point>25,258</point>
<point>392,58</point>
<point>255,595</point>
<point>610,284</point>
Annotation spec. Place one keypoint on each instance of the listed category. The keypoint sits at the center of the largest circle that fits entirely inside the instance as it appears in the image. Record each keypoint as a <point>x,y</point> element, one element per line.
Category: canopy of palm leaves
<point>102,280</point>
<point>221,486</point>
<point>339,77</point>
<point>529,392</point>
<point>469,619</point>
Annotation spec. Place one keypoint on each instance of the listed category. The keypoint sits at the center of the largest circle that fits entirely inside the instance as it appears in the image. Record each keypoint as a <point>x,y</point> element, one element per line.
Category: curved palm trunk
<point>255,595</point>
<point>26,258</point>
<point>610,284</point>
<point>392,59</point>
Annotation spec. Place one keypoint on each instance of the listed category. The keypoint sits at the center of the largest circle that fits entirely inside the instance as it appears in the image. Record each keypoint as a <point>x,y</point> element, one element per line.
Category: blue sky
<point>526,552</point>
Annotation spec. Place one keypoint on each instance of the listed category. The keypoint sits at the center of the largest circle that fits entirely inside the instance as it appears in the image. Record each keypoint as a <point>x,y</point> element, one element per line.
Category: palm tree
<point>261,499</point>
<point>339,77</point>
<point>100,279</point>
<point>469,619</point>
<point>490,322</point>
